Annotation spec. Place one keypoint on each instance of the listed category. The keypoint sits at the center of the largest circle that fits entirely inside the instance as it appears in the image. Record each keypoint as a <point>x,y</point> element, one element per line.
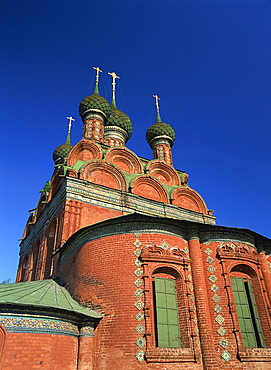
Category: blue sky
<point>208,61</point>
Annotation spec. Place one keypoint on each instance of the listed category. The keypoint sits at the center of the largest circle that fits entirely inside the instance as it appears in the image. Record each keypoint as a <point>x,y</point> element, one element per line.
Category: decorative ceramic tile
<point>138,263</point>
<point>138,283</point>
<point>139,316</point>
<point>214,288</point>
<point>140,342</point>
<point>217,308</point>
<point>211,269</point>
<point>138,293</point>
<point>223,342</point>
<point>138,272</point>
<point>189,267</point>
<point>195,320</point>
<point>140,356</point>
<point>196,330</point>
<point>221,331</point>
<point>140,328</point>
<point>213,278</point>
<point>139,305</point>
<point>192,297</point>
<point>225,355</point>
<point>165,246</point>
<point>219,319</point>
<point>137,243</point>
<point>191,287</point>
<point>189,277</point>
<point>198,342</point>
<point>137,252</point>
<point>209,260</point>
<point>216,298</point>
<point>208,251</point>
<point>193,307</point>
<point>186,250</point>
<point>137,234</point>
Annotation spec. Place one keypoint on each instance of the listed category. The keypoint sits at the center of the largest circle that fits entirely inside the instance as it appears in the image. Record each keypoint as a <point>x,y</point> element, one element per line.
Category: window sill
<point>170,355</point>
<point>255,354</point>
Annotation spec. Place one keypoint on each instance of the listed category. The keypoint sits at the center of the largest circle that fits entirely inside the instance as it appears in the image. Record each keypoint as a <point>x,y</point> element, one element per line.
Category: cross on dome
<point>70,122</point>
<point>97,73</point>
<point>156,101</point>
<point>114,76</point>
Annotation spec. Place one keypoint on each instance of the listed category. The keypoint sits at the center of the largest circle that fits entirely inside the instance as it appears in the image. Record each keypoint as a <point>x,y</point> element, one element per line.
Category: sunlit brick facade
<point>129,239</point>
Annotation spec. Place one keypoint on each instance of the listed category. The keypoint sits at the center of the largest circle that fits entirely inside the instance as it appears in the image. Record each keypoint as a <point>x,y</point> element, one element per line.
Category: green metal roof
<point>47,294</point>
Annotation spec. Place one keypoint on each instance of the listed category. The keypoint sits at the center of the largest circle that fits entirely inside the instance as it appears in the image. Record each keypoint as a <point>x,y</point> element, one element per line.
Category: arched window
<point>244,286</point>
<point>169,309</point>
<point>51,241</point>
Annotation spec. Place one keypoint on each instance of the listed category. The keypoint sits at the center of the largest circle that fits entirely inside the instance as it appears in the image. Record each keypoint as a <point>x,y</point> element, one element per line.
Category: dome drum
<point>163,139</point>
<point>93,113</point>
<point>115,133</point>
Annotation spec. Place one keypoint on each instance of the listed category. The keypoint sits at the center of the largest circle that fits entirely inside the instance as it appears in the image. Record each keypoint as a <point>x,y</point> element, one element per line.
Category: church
<point>122,266</point>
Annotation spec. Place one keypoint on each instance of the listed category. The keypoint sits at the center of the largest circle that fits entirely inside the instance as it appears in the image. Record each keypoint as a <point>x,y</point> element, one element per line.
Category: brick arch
<point>164,172</point>
<point>150,188</point>
<point>84,150</point>
<point>29,223</point>
<point>41,205</point>
<point>2,341</point>
<point>50,248</point>
<point>124,159</point>
<point>189,199</point>
<point>103,173</point>
<point>57,178</point>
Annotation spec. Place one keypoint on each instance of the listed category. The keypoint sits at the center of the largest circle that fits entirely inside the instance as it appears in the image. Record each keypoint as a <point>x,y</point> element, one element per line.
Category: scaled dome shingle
<point>160,129</point>
<point>95,102</point>
<point>120,119</point>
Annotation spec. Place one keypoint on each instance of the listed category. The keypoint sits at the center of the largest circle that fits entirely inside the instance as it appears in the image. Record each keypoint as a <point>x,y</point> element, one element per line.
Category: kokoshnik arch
<point>122,266</point>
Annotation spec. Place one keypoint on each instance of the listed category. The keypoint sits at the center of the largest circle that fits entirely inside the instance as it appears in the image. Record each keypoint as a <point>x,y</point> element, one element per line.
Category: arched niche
<point>29,224</point>
<point>50,248</point>
<point>84,150</point>
<point>189,199</point>
<point>163,172</point>
<point>103,173</point>
<point>55,182</point>
<point>41,204</point>
<point>150,188</point>
<point>124,159</point>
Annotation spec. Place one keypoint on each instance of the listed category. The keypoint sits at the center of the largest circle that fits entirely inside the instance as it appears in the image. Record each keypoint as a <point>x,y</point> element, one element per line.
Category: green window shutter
<point>167,317</point>
<point>244,298</point>
<point>256,314</point>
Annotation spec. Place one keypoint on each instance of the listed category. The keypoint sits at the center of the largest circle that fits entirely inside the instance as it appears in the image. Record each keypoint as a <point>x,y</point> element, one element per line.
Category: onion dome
<point>95,103</point>
<point>62,151</point>
<point>119,119</point>
<point>160,130</point>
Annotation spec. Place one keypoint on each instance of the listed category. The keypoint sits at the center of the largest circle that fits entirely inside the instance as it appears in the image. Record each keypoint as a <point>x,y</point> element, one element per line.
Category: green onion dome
<point>95,102</point>
<point>160,129</point>
<point>62,151</point>
<point>119,119</point>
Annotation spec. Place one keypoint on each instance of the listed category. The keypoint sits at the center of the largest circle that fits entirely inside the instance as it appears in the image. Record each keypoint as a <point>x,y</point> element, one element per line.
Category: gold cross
<point>156,100</point>
<point>70,122</point>
<point>114,76</point>
<point>97,74</point>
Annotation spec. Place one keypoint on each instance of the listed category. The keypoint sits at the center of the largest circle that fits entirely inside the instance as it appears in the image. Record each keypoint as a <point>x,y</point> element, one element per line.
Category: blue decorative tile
<point>219,319</point>
<point>192,297</point>
<point>189,277</point>
<point>140,328</point>
<point>213,278</point>
<point>138,272</point>
<point>225,355</point>
<point>217,308</point>
<point>223,342</point>
<point>208,251</point>
<point>138,263</point>
<point>214,288</point>
<point>139,316</point>
<point>198,342</point>
<point>193,307</point>
<point>140,342</point>
<point>221,331</point>
<point>140,356</point>
<point>186,250</point>
<point>165,246</point>
<point>209,260</point>
<point>138,293</point>
<point>196,330</point>
<point>137,243</point>
<point>138,283</point>
<point>211,269</point>
<point>191,287</point>
<point>139,305</point>
<point>216,298</point>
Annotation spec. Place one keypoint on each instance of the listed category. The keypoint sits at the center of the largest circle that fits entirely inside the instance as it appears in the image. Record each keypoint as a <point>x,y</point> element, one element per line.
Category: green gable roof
<point>46,294</point>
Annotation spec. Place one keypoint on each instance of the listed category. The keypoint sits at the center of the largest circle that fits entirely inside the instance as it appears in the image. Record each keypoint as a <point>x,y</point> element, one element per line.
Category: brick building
<point>122,266</point>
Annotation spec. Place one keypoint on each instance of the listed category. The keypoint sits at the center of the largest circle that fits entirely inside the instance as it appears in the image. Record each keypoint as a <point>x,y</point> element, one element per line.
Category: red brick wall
<point>24,351</point>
